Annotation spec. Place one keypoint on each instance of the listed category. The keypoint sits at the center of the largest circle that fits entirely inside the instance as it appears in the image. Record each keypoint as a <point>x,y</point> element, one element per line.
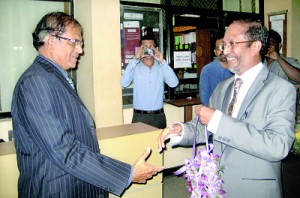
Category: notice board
<point>278,22</point>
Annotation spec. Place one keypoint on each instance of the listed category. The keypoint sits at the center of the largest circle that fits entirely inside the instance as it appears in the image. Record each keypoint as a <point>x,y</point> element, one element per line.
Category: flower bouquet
<point>203,173</point>
<point>296,145</point>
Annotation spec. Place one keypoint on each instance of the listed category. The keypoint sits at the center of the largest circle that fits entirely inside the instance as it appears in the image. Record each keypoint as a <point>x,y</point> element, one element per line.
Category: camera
<point>148,51</point>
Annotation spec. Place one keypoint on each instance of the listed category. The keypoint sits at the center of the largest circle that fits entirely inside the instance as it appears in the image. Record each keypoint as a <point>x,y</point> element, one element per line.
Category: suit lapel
<point>54,71</point>
<point>225,106</point>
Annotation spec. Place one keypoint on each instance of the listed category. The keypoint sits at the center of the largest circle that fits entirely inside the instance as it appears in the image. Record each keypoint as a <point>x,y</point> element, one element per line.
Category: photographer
<point>149,71</point>
<point>287,68</point>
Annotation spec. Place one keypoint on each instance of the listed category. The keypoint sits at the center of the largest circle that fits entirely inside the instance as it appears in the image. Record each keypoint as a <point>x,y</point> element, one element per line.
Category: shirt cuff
<point>130,178</point>
<point>175,140</point>
<point>214,122</point>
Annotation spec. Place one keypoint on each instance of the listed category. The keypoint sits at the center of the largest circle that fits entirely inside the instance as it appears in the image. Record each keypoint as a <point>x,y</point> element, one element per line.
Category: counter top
<point>8,148</point>
<point>187,104</point>
<point>123,130</point>
<point>183,102</point>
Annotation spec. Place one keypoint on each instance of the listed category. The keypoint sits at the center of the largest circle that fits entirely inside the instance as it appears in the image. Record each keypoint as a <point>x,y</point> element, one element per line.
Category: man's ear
<point>256,46</point>
<point>49,39</point>
<point>215,51</point>
<point>49,42</point>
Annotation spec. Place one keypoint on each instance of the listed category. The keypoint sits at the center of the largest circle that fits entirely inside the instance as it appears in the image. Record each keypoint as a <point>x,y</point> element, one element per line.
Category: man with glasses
<point>213,73</point>
<point>56,144</point>
<point>251,116</point>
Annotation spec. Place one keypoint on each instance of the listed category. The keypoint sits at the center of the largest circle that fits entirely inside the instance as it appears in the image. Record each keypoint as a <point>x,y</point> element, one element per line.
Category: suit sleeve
<point>43,112</point>
<point>189,130</point>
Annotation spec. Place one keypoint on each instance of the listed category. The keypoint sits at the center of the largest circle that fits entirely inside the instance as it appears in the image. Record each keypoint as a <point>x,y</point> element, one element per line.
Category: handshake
<point>143,171</point>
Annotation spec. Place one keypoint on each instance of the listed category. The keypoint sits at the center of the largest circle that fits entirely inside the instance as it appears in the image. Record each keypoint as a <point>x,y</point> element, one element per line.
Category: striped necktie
<point>236,87</point>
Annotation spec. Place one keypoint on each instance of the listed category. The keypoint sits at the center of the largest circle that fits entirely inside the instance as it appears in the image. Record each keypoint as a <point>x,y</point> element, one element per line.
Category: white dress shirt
<point>248,78</point>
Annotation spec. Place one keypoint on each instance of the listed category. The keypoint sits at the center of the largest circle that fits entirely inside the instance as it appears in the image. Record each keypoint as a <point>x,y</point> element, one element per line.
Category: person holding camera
<point>149,71</point>
<point>287,68</point>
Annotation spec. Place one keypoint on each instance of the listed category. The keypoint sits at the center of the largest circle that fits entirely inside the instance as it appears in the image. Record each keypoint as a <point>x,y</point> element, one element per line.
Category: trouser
<point>155,120</point>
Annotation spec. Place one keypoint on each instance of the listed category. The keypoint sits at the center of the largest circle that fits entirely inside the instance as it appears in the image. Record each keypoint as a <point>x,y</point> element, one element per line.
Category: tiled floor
<point>175,187</point>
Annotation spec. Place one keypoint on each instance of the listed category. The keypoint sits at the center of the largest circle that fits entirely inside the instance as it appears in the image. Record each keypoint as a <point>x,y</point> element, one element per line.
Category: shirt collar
<point>250,75</point>
<point>64,73</point>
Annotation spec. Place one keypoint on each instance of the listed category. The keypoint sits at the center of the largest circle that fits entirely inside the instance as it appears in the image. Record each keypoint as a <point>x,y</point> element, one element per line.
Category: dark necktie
<point>236,87</point>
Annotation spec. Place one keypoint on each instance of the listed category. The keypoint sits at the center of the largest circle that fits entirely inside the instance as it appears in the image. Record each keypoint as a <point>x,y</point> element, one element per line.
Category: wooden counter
<point>187,104</point>
<point>8,170</point>
<point>7,148</point>
<point>124,142</point>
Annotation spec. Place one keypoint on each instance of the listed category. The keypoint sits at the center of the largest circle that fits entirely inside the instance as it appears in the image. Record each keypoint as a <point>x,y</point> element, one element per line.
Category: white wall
<point>17,21</point>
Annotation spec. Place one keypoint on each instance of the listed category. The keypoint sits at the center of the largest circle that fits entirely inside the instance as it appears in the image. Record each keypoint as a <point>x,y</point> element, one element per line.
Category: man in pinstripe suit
<point>57,149</point>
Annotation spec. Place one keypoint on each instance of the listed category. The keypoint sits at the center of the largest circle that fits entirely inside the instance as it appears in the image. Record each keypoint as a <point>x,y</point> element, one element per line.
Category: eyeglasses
<point>74,42</point>
<point>232,44</point>
<point>219,47</point>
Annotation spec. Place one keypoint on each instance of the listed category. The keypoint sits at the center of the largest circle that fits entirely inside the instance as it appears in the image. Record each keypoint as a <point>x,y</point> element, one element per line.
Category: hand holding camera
<point>272,53</point>
<point>149,52</point>
<point>143,52</point>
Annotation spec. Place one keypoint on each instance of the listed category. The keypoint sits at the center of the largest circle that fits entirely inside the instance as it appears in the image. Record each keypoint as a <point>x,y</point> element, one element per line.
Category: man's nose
<point>79,49</point>
<point>226,49</point>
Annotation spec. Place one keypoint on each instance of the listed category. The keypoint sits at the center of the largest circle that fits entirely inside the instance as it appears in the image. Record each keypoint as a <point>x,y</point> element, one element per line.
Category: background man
<point>285,67</point>
<point>258,132</point>
<point>213,73</point>
<point>56,144</point>
<point>149,72</point>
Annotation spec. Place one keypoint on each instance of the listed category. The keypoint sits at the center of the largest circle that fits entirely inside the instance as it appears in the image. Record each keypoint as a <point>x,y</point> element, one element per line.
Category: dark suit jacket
<point>252,145</point>
<point>57,148</point>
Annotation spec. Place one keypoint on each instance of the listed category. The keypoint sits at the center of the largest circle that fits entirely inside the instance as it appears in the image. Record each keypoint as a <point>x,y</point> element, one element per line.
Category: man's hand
<point>158,55</point>
<point>140,53</point>
<point>143,171</point>
<point>272,53</point>
<point>171,131</point>
<point>204,113</point>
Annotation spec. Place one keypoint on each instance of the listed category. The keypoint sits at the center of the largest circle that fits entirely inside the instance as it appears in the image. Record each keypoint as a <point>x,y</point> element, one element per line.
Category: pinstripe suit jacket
<point>252,146</point>
<point>57,149</point>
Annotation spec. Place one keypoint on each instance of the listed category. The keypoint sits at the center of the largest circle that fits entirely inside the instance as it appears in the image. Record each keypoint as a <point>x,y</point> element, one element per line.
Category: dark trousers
<point>156,120</point>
